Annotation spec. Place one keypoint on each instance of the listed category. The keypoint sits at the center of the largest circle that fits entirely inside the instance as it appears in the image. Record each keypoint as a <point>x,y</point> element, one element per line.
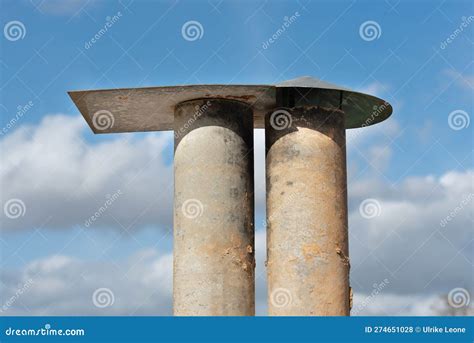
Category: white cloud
<point>463,81</point>
<point>407,243</point>
<point>407,305</point>
<point>259,169</point>
<point>380,157</point>
<point>374,88</point>
<point>61,285</point>
<point>357,138</point>
<point>63,180</point>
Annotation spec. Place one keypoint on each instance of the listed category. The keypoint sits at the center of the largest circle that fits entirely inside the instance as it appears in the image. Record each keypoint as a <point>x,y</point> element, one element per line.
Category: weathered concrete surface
<point>307,238</point>
<point>213,209</point>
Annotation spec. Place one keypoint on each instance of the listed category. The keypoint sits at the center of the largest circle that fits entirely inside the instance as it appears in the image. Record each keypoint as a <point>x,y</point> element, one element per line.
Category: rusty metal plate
<point>152,108</point>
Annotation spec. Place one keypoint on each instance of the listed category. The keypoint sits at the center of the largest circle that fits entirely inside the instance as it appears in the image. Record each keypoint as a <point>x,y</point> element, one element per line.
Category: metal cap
<point>360,109</point>
<point>152,108</point>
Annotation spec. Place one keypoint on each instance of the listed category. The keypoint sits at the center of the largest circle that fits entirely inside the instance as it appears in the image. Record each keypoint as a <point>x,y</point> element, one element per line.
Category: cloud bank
<point>62,180</point>
<point>417,234</point>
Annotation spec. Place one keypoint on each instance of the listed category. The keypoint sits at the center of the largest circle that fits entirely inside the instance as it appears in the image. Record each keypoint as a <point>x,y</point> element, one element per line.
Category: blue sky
<point>406,62</point>
<point>414,153</point>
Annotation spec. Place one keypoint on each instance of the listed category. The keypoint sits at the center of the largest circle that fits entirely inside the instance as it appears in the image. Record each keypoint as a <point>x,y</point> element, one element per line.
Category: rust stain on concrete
<point>311,251</point>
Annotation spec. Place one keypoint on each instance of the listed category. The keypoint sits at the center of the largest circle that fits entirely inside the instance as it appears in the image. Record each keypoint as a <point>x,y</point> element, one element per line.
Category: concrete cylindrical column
<point>213,209</point>
<point>307,236</point>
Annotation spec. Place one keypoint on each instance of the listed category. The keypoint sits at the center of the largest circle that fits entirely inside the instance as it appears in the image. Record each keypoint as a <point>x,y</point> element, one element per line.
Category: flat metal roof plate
<point>152,108</point>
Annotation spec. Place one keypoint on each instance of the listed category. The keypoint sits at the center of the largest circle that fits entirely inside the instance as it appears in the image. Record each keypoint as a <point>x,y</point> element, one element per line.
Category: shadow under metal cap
<point>152,108</point>
<point>360,109</point>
